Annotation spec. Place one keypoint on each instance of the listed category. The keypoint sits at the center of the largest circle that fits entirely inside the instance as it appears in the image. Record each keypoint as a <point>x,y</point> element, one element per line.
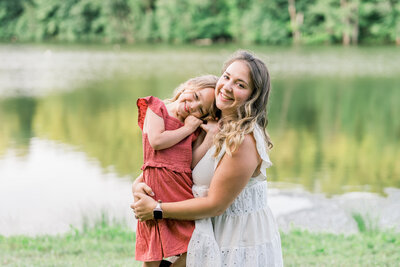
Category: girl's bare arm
<point>204,141</point>
<point>159,138</point>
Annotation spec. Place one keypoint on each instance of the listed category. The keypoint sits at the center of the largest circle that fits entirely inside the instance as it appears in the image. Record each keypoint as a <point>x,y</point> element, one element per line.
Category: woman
<point>234,226</point>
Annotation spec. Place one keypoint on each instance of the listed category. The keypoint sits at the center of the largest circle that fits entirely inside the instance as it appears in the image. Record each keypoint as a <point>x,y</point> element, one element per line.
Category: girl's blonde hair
<point>197,84</point>
<point>254,111</point>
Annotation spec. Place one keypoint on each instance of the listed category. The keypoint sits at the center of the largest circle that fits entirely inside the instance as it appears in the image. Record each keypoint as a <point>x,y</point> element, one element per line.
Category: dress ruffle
<point>261,149</point>
<point>262,255</point>
<point>203,250</point>
<point>156,105</point>
<point>167,166</point>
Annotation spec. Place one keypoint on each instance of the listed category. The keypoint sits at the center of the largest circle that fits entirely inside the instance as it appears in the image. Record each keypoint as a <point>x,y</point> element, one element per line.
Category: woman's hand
<point>142,188</point>
<point>143,207</point>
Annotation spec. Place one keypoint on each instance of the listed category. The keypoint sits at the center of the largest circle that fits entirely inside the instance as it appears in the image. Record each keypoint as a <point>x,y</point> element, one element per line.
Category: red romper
<point>168,173</point>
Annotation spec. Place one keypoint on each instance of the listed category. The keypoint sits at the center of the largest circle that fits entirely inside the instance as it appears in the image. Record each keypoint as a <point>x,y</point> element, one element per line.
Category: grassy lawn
<point>302,248</point>
<point>113,245</point>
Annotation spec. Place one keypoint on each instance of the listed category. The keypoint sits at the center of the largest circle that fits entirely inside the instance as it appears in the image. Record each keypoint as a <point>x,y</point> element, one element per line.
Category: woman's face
<point>234,88</point>
<point>195,102</point>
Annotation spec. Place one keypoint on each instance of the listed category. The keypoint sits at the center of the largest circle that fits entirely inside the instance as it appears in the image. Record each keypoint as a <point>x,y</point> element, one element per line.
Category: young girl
<point>168,132</point>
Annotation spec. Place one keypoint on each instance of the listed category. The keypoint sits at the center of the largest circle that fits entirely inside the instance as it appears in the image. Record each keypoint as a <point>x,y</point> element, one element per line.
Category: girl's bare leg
<point>181,261</point>
<point>151,264</point>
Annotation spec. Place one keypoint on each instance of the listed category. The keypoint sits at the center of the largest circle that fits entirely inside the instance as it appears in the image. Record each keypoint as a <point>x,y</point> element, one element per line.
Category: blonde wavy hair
<point>197,84</point>
<point>234,128</point>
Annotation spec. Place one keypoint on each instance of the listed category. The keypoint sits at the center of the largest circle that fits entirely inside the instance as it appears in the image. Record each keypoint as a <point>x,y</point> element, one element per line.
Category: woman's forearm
<point>229,179</point>
<point>191,209</point>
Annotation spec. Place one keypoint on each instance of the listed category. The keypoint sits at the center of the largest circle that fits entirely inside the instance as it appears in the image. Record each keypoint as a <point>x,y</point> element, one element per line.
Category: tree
<point>296,20</point>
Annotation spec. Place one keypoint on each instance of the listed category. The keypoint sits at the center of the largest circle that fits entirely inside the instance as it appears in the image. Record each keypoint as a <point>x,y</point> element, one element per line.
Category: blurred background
<point>71,71</point>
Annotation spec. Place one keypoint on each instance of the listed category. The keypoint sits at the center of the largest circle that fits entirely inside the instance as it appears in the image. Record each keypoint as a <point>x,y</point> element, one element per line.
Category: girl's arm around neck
<point>231,176</point>
<point>159,138</point>
<point>198,149</point>
<point>204,141</point>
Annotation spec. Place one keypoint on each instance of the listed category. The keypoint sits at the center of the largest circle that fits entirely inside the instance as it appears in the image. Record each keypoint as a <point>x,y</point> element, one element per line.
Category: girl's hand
<point>211,128</point>
<point>192,123</point>
<point>143,207</point>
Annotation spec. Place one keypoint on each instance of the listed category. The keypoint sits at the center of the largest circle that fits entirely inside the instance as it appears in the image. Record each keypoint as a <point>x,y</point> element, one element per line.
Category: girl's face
<point>195,102</point>
<point>234,88</point>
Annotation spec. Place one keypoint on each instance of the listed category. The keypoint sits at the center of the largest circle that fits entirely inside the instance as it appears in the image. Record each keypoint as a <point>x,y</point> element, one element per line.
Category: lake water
<point>70,145</point>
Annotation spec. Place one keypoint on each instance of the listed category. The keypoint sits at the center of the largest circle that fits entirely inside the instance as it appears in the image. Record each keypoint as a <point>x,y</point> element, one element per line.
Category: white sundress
<point>246,234</point>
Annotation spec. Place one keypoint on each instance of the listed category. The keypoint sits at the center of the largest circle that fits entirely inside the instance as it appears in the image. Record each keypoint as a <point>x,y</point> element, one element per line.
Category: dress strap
<point>261,149</point>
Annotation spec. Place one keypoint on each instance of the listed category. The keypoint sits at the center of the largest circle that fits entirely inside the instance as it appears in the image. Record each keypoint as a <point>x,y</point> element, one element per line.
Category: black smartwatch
<point>157,212</point>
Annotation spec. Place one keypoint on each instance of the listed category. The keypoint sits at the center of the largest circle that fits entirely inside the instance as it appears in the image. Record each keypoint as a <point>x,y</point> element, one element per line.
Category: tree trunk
<point>354,34</point>
<point>296,20</point>
<point>346,23</point>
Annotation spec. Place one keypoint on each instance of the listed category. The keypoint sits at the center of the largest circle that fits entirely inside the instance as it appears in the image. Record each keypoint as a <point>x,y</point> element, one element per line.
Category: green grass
<point>101,245</point>
<point>113,245</point>
<point>302,248</point>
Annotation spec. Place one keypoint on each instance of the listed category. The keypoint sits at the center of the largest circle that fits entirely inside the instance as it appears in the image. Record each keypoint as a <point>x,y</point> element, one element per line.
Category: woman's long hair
<point>254,111</point>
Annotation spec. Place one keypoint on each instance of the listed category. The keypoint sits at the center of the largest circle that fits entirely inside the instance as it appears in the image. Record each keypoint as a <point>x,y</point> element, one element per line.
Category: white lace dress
<point>246,234</point>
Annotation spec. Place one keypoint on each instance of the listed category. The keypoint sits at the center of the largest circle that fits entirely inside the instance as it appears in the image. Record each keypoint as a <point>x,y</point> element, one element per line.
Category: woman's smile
<point>224,96</point>
<point>234,87</point>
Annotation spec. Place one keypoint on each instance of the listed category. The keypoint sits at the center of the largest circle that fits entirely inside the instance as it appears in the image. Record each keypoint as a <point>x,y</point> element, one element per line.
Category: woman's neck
<point>229,115</point>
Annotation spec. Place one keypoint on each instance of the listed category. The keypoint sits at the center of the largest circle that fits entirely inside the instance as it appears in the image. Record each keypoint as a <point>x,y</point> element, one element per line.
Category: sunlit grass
<point>112,244</point>
<point>303,248</point>
<point>103,244</point>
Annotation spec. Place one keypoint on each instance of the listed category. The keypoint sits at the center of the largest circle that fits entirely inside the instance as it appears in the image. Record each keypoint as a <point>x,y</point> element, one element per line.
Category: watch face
<point>157,214</point>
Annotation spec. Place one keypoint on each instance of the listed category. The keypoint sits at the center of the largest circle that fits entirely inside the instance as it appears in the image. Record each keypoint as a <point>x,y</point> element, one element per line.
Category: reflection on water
<point>333,135</point>
<point>330,135</point>
<point>333,114</point>
<point>55,187</point>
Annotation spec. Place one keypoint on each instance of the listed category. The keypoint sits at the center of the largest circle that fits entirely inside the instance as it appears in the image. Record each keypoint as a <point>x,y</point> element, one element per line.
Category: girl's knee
<point>151,264</point>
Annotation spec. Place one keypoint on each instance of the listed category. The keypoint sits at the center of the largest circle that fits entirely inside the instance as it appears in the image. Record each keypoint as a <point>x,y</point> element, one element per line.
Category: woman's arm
<point>231,176</point>
<point>159,138</point>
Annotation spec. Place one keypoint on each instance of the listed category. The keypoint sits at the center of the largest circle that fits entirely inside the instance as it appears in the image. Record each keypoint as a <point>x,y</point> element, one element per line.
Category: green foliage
<point>365,223</point>
<point>181,21</point>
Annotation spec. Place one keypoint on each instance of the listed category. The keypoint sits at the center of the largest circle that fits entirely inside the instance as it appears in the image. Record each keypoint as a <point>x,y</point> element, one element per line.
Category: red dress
<point>168,173</point>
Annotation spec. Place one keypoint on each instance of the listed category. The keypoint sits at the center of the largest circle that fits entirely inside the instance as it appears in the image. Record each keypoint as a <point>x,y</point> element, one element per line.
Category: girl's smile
<point>196,103</point>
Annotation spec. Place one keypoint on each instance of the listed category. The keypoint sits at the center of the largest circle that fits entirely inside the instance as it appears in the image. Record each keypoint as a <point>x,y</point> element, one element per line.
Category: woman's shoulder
<point>248,146</point>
